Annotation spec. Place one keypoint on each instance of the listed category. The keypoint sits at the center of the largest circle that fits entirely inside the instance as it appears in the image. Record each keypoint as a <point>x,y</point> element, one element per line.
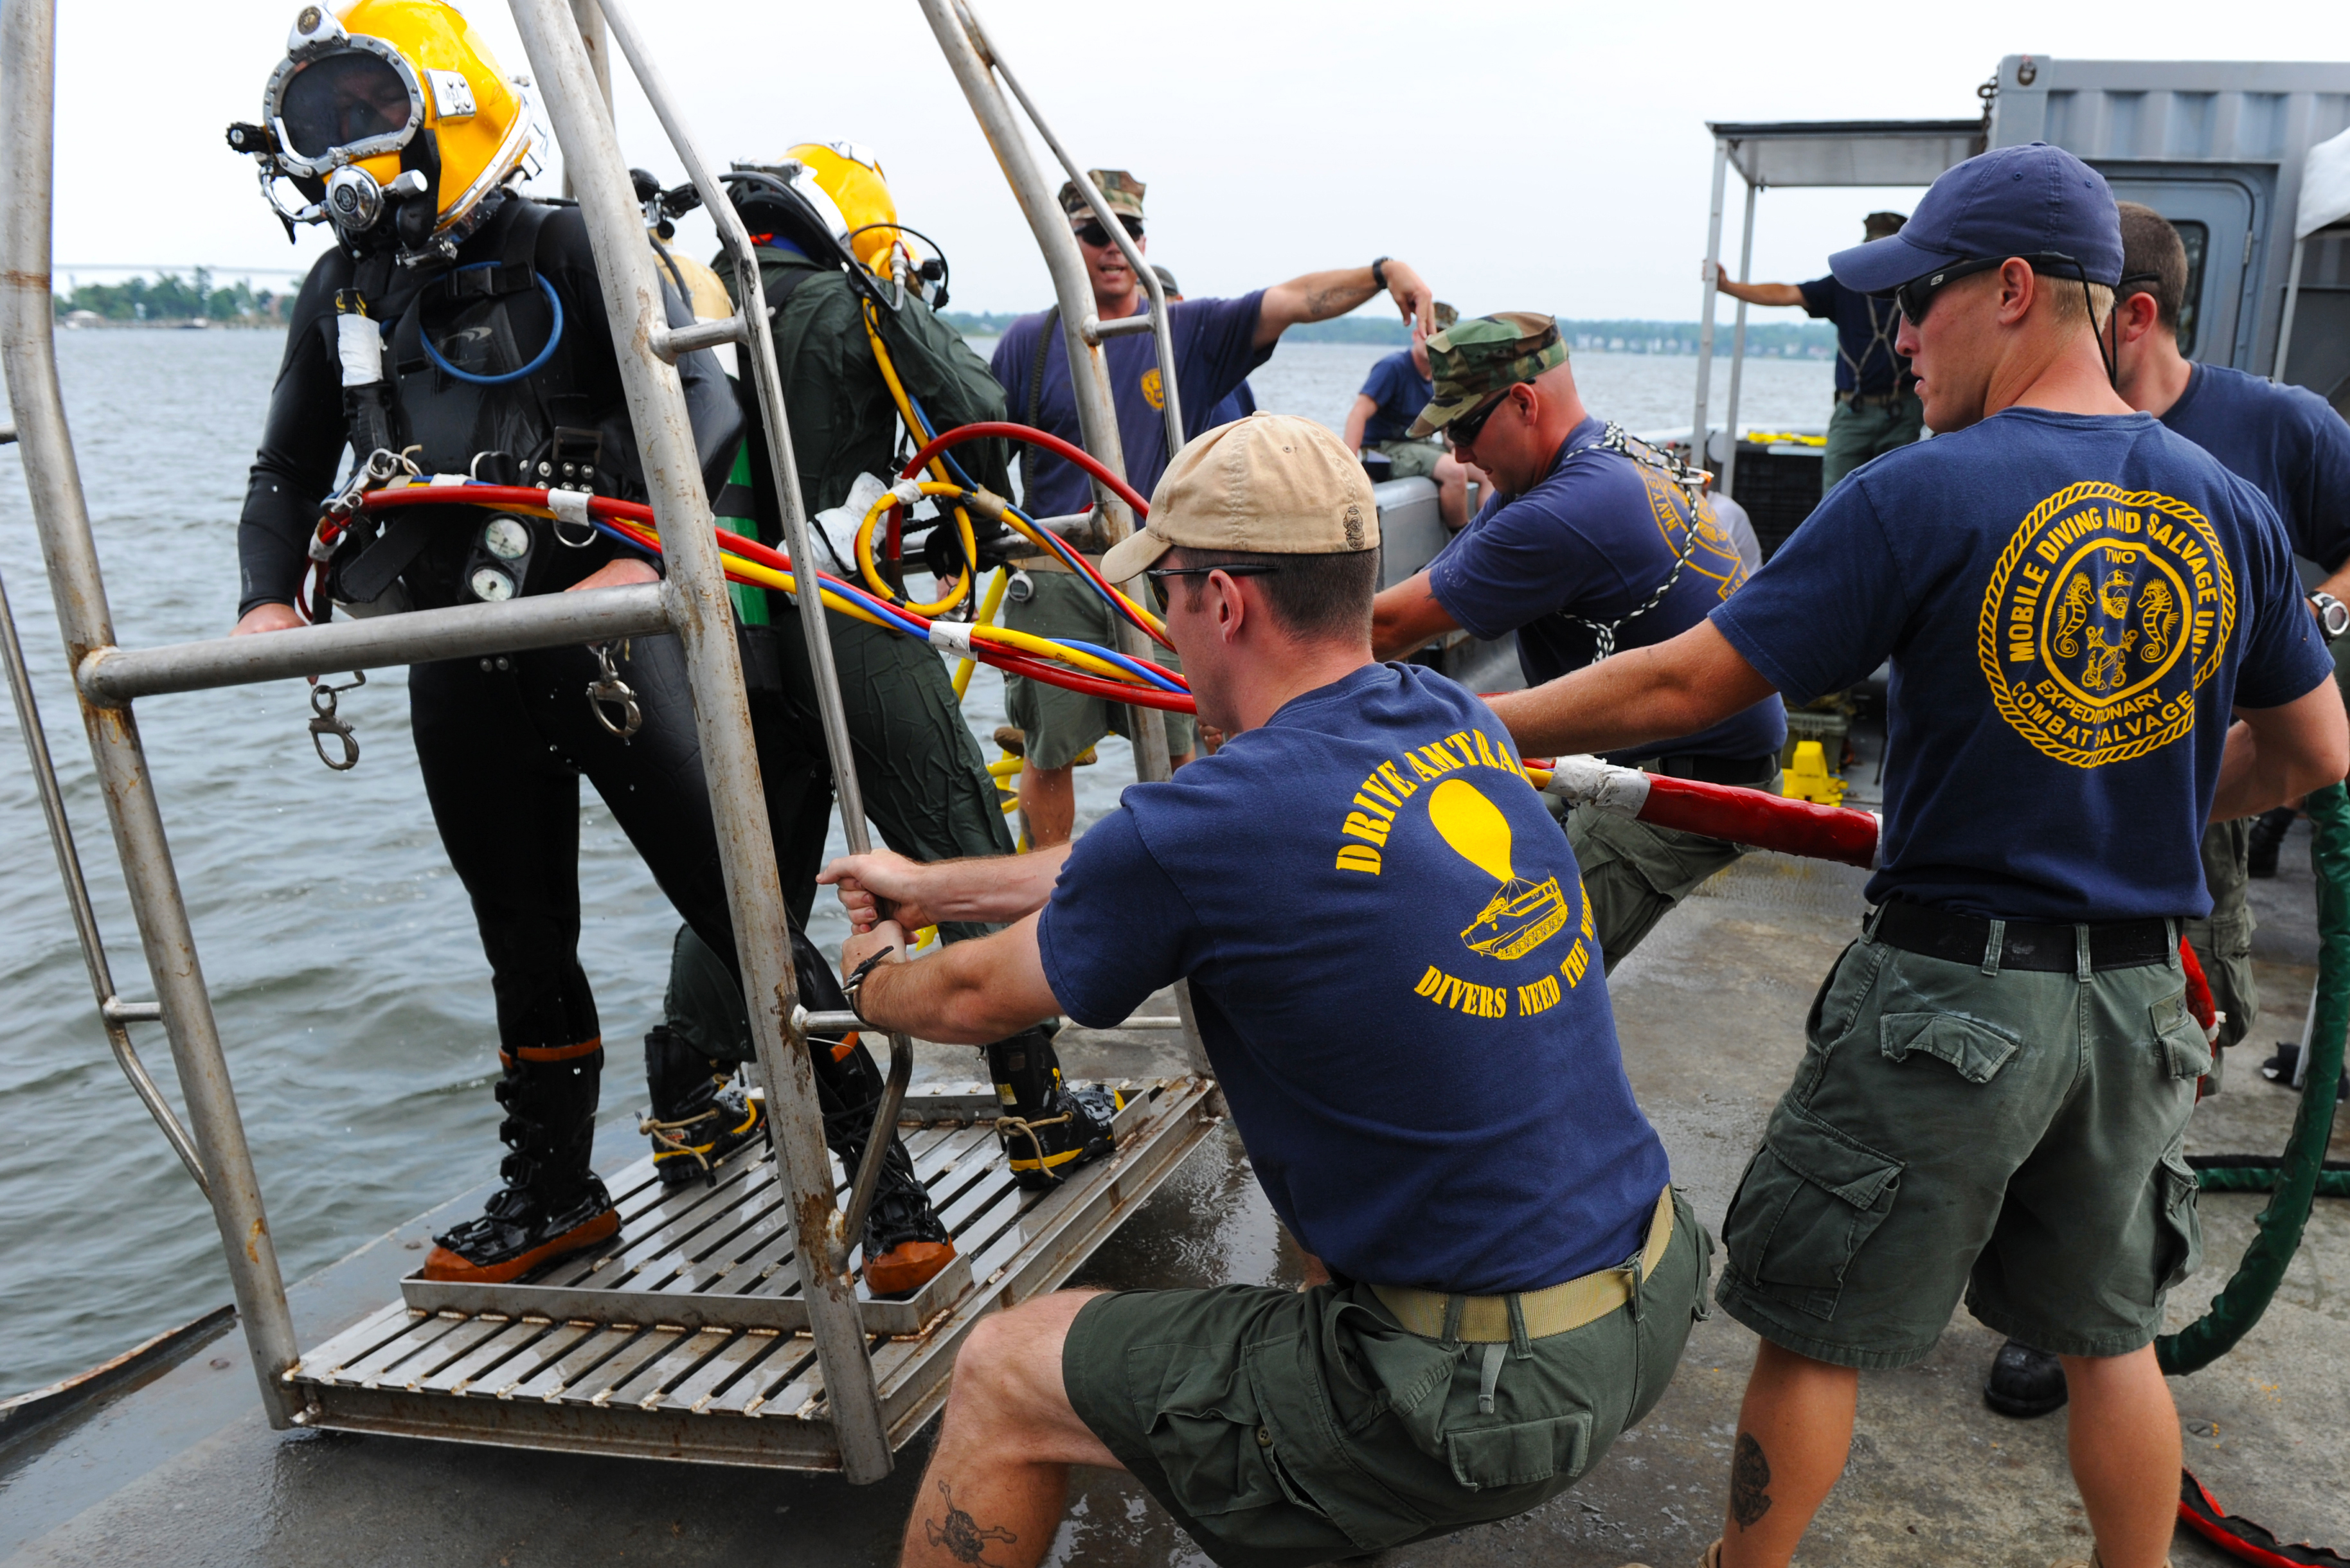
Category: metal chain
<point>1692,481</point>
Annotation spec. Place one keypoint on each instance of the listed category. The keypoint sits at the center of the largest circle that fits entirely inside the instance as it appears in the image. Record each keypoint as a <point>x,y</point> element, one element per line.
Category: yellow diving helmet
<point>389,107</point>
<point>851,175</point>
<point>845,193</point>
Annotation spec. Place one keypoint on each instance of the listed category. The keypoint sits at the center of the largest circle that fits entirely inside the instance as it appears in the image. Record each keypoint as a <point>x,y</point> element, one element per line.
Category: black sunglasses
<point>1465,429</point>
<point>1917,296</point>
<point>1243,569</point>
<point>1092,233</point>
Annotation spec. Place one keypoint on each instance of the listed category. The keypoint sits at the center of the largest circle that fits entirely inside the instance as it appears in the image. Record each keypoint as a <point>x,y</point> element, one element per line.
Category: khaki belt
<point>1485,1320</point>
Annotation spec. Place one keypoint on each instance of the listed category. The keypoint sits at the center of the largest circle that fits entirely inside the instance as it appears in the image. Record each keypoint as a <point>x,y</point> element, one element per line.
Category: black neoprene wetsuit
<point>502,741</point>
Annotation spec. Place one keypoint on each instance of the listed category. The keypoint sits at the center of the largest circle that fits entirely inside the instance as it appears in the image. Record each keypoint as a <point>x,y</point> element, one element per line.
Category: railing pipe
<point>702,614</point>
<point>61,516</point>
<point>113,1012</point>
<point>959,34</point>
<point>848,1225</point>
<point>1159,324</point>
<point>1737,353</point>
<point>1698,431</point>
<point>111,676</point>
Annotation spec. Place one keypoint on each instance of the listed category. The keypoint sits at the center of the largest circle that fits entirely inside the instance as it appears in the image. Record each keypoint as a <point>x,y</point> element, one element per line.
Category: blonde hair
<point>2070,309</point>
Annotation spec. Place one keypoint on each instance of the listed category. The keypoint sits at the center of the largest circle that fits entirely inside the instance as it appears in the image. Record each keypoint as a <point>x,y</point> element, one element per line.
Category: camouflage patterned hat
<point>1470,361</point>
<point>1121,190</point>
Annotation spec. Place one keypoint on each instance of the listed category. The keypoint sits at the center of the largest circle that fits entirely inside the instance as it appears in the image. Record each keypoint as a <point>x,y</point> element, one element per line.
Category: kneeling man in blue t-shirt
<point>1380,925</point>
<point>2098,644</point>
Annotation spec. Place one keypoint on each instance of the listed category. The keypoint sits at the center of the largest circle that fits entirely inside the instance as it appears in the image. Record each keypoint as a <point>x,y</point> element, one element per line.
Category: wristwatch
<point>2333,615</point>
<point>1380,274</point>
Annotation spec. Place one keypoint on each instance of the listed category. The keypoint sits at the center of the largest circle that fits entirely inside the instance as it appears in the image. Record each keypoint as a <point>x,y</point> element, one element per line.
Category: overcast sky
<point>1547,156</point>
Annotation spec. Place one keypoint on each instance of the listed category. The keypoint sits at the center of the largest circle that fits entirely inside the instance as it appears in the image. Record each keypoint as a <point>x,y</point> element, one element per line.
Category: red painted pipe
<point>1765,821</point>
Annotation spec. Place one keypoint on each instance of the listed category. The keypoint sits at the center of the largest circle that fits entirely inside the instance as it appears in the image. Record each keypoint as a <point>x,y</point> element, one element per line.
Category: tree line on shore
<point>169,297</point>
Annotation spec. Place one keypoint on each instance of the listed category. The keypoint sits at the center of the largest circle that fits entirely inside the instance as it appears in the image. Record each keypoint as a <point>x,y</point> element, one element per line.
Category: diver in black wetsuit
<point>459,328</point>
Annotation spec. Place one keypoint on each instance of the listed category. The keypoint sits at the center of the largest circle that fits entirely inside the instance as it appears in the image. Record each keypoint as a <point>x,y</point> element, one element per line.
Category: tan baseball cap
<point>1270,484</point>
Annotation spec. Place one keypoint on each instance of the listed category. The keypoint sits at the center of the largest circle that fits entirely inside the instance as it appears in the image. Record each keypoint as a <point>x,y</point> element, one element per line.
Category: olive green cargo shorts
<point>1062,725</point>
<point>2224,939</point>
<point>1411,459</point>
<point>1287,1428</point>
<point>2013,1137</point>
<point>1634,873</point>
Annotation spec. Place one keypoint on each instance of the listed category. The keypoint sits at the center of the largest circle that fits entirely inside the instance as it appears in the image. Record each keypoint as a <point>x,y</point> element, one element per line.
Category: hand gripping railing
<point>695,591</point>
<point>751,327</point>
<point>61,517</point>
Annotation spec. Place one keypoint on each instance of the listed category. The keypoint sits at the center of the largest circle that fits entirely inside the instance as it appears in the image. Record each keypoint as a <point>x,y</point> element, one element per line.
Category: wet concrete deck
<point>1711,1011</point>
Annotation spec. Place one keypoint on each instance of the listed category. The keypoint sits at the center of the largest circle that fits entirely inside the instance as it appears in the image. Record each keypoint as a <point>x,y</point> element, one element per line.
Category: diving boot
<point>906,1244</point>
<point>552,1202</point>
<point>2267,838</point>
<point>699,1115</point>
<point>2024,1383</point>
<point>1047,1128</point>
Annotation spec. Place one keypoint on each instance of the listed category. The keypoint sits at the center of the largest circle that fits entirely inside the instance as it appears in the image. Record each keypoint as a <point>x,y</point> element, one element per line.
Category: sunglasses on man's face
<point>1917,296</point>
<point>1465,429</point>
<point>1091,231</point>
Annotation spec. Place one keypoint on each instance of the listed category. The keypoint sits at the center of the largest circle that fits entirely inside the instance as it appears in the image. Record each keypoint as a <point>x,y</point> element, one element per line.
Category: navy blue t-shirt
<point>1392,959</point>
<point>1865,326</point>
<point>1398,389</point>
<point>1215,349</point>
<point>1598,535</point>
<point>2073,605</point>
<point>2287,440</point>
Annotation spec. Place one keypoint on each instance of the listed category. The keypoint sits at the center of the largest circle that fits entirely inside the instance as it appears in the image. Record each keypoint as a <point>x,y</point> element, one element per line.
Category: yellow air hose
<point>987,608</point>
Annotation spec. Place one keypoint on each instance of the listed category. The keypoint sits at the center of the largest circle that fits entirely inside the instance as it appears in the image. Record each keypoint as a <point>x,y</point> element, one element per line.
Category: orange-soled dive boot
<point>906,1244</point>
<point>552,1202</point>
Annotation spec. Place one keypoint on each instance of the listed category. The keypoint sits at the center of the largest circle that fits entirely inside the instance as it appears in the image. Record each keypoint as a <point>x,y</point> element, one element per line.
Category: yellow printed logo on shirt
<point>2105,614</point>
<point>1510,916</point>
<point>1154,389</point>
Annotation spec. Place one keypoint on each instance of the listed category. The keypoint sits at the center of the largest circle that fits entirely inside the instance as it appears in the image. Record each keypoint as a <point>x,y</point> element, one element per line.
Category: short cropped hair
<point>1314,598</point>
<point>2072,306</point>
<point>2150,245</point>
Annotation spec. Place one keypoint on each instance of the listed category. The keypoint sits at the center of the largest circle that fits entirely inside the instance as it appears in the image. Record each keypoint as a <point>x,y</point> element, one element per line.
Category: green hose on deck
<point>2277,1231</point>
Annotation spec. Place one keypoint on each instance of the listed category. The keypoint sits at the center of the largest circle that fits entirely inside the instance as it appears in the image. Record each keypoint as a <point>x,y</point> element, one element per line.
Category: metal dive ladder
<point>724,1323</point>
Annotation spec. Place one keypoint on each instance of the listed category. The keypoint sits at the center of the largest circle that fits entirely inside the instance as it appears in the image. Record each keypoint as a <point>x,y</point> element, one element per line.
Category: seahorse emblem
<point>2107,670</point>
<point>2159,617</point>
<point>2072,614</point>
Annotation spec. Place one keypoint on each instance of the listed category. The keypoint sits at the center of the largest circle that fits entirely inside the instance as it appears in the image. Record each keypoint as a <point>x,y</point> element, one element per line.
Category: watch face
<point>2332,614</point>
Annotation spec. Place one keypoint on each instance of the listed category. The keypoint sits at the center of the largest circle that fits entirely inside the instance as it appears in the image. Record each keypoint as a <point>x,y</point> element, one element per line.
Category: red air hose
<point>1766,821</point>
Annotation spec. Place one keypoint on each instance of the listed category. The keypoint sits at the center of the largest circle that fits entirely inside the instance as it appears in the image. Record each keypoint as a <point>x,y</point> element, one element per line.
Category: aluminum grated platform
<point>684,1337</point>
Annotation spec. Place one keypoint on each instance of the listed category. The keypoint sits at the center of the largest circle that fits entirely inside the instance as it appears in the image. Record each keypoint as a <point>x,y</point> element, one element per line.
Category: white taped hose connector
<point>1587,781</point>
<point>570,506</point>
<point>1877,850</point>
<point>908,491</point>
<point>359,342</point>
<point>951,637</point>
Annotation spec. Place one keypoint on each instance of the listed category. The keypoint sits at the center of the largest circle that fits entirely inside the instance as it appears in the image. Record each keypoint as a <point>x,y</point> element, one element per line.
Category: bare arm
<point>1357,418</point>
<point>1761,292</point>
<point>970,993</point>
<point>1407,618</point>
<point>1319,296</point>
<point>884,885</point>
<point>1677,687</point>
<point>2277,754</point>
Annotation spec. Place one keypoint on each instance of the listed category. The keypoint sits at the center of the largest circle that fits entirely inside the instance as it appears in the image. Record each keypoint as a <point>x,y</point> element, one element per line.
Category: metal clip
<point>611,688</point>
<point>324,723</point>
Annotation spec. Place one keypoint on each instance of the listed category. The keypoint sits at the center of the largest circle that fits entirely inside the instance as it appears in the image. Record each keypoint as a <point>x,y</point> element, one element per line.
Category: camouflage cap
<point>1446,316</point>
<point>1473,360</point>
<point>1121,190</point>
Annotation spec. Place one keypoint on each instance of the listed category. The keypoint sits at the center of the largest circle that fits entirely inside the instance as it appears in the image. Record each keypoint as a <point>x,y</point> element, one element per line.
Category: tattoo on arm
<point>966,1542</point>
<point>1749,1483</point>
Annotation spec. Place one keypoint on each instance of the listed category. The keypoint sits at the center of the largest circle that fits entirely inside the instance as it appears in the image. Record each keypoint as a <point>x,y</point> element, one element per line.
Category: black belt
<point>1876,399</point>
<point>1720,770</point>
<point>2024,944</point>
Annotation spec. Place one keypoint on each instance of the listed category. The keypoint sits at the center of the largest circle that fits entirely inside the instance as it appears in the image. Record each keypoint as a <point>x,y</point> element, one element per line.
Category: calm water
<point>339,948</point>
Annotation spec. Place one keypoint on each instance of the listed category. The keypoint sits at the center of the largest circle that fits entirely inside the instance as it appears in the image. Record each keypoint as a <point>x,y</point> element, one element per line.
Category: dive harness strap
<point>1538,1314</point>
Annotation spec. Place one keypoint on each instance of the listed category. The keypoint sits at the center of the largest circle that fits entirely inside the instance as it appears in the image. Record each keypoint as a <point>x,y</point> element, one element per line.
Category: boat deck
<point>1711,1011</point>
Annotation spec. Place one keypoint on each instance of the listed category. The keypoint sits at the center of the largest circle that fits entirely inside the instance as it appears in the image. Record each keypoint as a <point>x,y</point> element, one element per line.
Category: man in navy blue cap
<point>2098,644</point>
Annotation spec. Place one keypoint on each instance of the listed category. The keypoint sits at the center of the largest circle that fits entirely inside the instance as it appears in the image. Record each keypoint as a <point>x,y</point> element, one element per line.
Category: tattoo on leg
<point>1750,1483</point>
<point>967,1542</point>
